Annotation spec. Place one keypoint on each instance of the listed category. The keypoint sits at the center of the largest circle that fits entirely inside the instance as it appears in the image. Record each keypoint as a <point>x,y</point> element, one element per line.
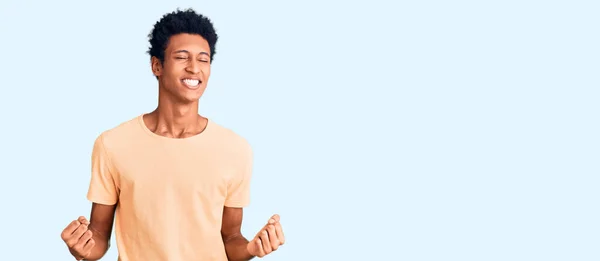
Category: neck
<point>175,119</point>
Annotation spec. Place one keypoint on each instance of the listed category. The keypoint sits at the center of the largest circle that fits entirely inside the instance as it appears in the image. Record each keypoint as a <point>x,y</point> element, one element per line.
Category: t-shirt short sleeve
<point>103,188</point>
<point>238,191</point>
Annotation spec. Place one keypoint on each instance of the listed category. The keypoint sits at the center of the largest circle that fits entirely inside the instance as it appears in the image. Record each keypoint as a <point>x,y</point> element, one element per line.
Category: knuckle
<point>79,247</point>
<point>71,243</point>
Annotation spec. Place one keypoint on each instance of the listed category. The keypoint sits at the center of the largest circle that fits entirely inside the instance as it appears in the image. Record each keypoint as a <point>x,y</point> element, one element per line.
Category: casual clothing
<point>170,192</point>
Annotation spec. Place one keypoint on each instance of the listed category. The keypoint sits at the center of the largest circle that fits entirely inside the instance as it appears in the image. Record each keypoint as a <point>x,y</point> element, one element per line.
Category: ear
<point>156,66</point>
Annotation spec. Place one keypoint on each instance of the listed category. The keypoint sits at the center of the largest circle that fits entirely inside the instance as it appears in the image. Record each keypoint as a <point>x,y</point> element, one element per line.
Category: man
<point>176,181</point>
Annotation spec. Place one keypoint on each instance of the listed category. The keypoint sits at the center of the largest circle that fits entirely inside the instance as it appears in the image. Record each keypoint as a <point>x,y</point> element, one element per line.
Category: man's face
<point>186,67</point>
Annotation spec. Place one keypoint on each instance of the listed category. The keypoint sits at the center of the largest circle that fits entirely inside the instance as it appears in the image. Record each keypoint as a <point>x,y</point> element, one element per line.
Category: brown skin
<point>267,240</point>
<point>231,231</point>
<point>90,239</point>
<point>186,57</point>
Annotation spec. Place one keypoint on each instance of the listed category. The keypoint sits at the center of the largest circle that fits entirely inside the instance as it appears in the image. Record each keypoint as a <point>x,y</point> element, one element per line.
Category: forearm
<point>236,248</point>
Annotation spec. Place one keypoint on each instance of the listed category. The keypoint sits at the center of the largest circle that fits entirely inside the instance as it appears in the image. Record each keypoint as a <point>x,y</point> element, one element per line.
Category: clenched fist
<point>268,239</point>
<point>78,238</point>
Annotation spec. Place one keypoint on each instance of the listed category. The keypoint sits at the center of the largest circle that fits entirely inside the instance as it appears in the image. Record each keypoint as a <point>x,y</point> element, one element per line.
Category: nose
<point>193,67</point>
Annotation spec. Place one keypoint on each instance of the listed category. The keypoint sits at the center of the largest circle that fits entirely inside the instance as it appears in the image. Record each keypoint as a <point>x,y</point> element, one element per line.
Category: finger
<point>69,229</point>
<point>77,234</point>
<point>273,237</point>
<point>83,240</point>
<point>80,230</point>
<point>274,219</point>
<point>88,246</point>
<point>266,244</point>
<point>279,232</point>
<point>83,220</point>
<point>259,246</point>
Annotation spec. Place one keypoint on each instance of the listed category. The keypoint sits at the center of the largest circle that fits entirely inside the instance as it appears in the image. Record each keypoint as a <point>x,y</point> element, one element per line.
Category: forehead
<point>190,42</point>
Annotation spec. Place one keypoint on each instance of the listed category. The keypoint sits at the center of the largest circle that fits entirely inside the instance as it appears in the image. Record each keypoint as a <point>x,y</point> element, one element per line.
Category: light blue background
<point>415,130</point>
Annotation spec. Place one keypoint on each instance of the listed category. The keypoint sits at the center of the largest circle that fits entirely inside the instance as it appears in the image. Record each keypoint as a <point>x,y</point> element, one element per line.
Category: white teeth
<point>191,82</point>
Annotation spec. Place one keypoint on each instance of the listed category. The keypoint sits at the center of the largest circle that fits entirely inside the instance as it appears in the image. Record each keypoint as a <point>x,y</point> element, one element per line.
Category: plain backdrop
<point>382,130</point>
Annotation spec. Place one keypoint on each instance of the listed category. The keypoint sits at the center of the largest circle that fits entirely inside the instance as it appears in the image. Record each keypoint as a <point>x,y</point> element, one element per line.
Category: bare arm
<point>231,231</point>
<point>101,224</point>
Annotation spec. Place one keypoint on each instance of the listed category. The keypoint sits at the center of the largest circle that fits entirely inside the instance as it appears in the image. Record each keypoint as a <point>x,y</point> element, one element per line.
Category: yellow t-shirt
<point>170,192</point>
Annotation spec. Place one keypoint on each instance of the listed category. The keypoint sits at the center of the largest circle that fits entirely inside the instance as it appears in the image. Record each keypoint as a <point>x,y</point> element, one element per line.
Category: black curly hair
<point>176,22</point>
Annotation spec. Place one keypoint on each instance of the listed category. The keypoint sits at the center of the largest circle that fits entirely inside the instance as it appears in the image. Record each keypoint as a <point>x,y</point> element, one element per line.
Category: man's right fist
<point>78,238</point>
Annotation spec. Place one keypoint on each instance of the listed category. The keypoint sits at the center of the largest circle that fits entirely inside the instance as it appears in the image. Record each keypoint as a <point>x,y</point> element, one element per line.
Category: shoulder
<point>121,133</point>
<point>228,138</point>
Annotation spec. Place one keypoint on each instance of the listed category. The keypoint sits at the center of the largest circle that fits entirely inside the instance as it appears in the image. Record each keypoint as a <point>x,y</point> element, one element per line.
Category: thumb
<point>274,219</point>
<point>83,220</point>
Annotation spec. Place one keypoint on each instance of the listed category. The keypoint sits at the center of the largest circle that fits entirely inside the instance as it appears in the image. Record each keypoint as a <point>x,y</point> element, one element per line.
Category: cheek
<point>206,71</point>
<point>174,72</point>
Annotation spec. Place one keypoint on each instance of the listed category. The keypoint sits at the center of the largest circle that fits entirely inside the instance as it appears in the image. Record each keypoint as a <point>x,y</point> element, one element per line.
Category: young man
<point>176,181</point>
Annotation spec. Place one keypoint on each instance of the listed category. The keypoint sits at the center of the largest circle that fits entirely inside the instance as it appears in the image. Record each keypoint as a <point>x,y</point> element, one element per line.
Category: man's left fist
<point>268,239</point>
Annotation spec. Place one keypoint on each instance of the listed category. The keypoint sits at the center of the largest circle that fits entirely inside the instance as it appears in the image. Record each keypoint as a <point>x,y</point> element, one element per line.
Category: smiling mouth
<point>192,83</point>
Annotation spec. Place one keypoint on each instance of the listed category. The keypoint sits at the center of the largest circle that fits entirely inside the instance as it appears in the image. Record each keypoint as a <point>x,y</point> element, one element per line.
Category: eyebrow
<point>187,52</point>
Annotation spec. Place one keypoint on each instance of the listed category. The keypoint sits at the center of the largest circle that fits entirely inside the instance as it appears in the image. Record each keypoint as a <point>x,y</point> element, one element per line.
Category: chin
<point>191,97</point>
